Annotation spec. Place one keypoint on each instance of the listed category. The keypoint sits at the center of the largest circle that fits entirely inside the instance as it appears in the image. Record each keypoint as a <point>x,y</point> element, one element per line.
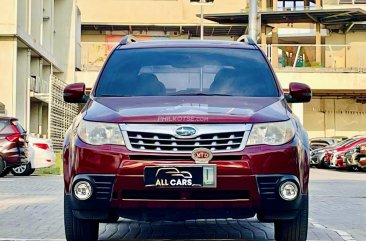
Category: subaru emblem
<point>185,132</point>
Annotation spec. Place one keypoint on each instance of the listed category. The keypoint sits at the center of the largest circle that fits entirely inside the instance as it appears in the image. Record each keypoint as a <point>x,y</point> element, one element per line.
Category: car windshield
<point>187,71</point>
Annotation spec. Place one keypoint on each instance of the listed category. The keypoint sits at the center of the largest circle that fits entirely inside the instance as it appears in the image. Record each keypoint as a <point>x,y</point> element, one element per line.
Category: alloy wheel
<point>20,169</point>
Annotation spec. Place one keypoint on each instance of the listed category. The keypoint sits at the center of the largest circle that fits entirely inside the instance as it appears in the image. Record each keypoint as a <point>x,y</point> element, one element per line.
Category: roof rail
<point>127,40</point>
<point>246,39</point>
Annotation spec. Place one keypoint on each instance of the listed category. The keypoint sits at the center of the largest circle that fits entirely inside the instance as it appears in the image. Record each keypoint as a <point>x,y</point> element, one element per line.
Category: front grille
<point>268,186</point>
<point>164,142</point>
<point>183,195</point>
<point>164,138</point>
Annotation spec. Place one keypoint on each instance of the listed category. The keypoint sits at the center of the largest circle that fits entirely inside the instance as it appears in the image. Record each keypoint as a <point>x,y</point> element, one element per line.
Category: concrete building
<point>318,42</point>
<point>38,55</point>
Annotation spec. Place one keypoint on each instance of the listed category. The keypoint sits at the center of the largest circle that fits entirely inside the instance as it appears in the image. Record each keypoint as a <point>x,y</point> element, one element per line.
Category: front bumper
<point>338,163</point>
<point>247,184</point>
<point>257,194</point>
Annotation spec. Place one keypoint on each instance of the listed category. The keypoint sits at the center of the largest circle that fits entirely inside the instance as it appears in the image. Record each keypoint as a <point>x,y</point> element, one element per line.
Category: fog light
<point>288,191</point>
<point>83,190</point>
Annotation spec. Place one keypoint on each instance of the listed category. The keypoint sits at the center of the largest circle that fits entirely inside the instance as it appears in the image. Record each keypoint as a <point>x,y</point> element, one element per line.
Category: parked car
<point>321,142</point>
<point>41,155</point>
<point>350,159</point>
<point>13,145</point>
<point>335,157</point>
<point>355,159</point>
<point>186,129</point>
<point>318,156</point>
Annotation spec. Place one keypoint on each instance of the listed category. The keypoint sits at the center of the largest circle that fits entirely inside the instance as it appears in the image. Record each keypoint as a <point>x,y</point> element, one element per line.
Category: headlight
<point>98,133</point>
<point>274,133</point>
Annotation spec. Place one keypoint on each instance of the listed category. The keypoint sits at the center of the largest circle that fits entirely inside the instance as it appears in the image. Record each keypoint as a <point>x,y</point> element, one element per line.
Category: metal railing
<point>94,54</point>
<point>292,57</point>
<point>348,58</point>
<point>39,85</point>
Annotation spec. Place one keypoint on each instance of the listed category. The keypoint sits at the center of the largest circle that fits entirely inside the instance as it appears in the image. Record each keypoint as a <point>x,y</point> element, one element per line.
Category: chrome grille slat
<point>163,139</point>
<point>183,140</point>
<point>203,145</point>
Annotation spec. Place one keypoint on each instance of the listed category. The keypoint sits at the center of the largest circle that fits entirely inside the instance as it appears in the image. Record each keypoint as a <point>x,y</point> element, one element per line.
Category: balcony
<point>317,58</point>
<point>38,85</point>
<point>94,54</point>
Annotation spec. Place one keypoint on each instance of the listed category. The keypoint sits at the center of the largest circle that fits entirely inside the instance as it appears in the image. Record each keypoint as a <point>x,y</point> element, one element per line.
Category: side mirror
<point>75,93</point>
<point>298,93</point>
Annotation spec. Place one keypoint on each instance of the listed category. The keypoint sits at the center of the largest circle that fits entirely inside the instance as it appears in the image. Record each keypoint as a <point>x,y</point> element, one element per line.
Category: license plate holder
<point>179,176</point>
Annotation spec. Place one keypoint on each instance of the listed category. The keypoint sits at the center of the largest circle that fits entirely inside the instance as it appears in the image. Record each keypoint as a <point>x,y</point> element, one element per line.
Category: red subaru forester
<point>177,130</point>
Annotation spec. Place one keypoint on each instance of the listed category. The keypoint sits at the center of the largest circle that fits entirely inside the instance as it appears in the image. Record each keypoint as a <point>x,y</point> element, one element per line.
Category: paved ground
<point>32,208</point>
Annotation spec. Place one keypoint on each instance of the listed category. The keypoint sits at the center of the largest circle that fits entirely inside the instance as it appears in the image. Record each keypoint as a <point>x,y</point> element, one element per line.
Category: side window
<point>19,127</point>
<point>3,124</point>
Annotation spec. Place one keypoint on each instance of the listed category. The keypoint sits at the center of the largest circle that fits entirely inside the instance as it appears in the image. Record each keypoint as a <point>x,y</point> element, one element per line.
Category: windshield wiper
<point>198,94</point>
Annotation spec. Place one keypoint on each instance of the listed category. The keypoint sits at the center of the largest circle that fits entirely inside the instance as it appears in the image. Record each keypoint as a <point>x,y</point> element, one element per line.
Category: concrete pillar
<point>264,5</point>
<point>275,2</point>
<point>45,121</point>
<point>36,20</point>
<point>40,117</point>
<point>8,63</point>
<point>298,110</point>
<point>253,20</point>
<point>263,34</point>
<point>264,39</point>
<point>318,42</point>
<point>274,54</point>
<point>318,4</point>
<point>22,79</point>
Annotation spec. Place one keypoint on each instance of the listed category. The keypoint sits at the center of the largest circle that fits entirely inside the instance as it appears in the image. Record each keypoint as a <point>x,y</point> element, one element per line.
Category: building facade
<point>321,43</point>
<point>38,55</point>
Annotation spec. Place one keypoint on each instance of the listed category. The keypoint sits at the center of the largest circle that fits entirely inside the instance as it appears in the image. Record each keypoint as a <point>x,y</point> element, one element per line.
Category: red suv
<point>13,145</point>
<point>177,130</point>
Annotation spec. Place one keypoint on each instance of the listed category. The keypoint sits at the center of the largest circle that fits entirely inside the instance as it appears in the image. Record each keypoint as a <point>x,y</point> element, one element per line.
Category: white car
<point>41,155</point>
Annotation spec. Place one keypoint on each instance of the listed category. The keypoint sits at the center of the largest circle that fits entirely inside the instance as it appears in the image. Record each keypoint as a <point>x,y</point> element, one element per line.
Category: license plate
<point>180,176</point>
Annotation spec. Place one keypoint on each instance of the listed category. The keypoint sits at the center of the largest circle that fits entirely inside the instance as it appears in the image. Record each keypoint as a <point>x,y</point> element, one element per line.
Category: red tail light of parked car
<point>43,146</point>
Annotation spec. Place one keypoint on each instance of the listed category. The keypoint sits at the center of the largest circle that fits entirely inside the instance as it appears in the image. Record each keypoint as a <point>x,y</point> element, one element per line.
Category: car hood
<point>186,109</point>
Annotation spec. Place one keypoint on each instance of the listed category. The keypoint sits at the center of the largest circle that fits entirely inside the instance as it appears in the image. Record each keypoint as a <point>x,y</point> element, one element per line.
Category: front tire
<point>78,229</point>
<point>22,170</point>
<point>3,169</point>
<point>296,229</point>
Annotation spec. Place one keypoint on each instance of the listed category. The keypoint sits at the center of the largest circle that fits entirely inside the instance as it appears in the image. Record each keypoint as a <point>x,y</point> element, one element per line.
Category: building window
<point>291,5</point>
